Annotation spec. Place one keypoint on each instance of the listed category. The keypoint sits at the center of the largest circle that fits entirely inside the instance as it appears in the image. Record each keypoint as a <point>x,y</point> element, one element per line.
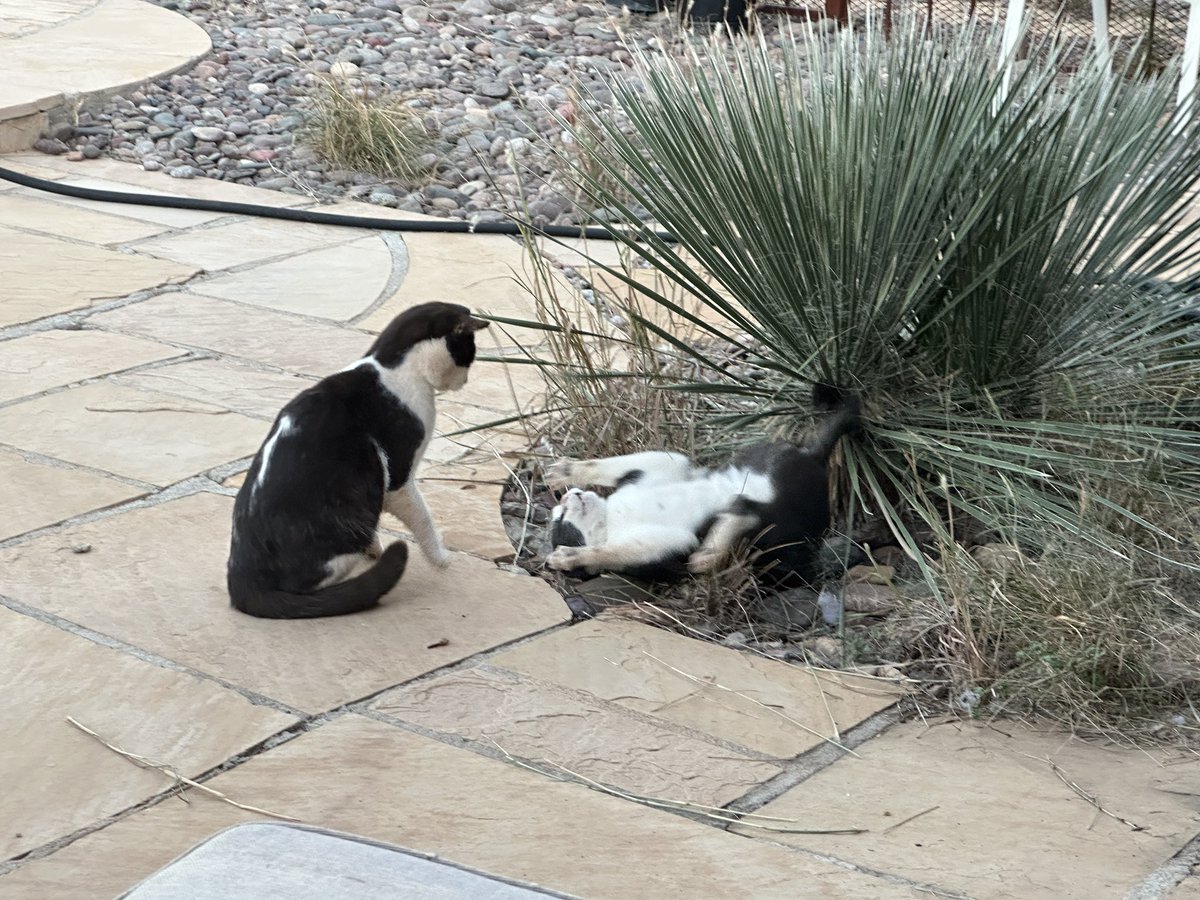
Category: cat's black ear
<point>470,325</point>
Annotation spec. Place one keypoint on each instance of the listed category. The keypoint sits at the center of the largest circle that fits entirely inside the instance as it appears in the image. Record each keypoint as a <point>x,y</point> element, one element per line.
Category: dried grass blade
<point>837,743</point>
<point>146,762</point>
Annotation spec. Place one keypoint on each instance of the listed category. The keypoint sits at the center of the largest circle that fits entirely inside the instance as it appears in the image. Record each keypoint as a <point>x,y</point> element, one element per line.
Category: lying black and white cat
<point>669,516</point>
<point>304,523</point>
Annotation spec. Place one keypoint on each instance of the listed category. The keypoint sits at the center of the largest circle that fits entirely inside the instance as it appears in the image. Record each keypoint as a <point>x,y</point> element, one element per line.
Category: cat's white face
<point>433,362</point>
<point>454,376</point>
<point>586,512</point>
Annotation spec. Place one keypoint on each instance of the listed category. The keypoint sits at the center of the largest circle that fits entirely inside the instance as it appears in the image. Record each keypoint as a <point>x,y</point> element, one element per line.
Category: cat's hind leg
<point>730,527</point>
<point>647,545</point>
<point>407,505</point>
<point>648,467</point>
<point>346,566</point>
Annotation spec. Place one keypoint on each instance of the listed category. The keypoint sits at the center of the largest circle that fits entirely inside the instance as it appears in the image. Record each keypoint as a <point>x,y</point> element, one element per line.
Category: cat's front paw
<point>438,555</point>
<point>559,474</point>
<point>564,559</point>
<point>703,561</point>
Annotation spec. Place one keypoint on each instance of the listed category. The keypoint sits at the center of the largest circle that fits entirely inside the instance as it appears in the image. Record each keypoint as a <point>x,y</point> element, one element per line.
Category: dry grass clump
<point>608,375</point>
<point>1097,641</point>
<point>366,129</point>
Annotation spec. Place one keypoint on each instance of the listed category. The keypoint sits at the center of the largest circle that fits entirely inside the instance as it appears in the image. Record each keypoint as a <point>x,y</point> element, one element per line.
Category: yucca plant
<point>984,259</point>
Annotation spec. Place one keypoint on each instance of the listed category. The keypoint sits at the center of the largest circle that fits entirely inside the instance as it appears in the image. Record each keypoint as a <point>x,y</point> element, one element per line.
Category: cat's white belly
<point>684,504</point>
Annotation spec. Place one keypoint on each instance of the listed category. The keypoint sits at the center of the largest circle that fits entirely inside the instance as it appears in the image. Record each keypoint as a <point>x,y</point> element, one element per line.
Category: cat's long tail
<point>351,596</point>
<point>845,418</point>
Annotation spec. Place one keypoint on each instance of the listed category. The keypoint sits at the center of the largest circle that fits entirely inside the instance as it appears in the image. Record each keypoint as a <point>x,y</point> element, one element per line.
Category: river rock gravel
<point>488,78</point>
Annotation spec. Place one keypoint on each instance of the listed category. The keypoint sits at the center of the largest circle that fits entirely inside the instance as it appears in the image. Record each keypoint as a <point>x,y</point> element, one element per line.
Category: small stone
<point>343,69</point>
<point>871,574</point>
<point>549,208</point>
<point>870,599</point>
<point>262,155</point>
<point>51,146</point>
<point>998,558</point>
<point>152,165</point>
<point>259,88</point>
<point>208,133</point>
<point>91,151</point>
<point>81,548</point>
<point>75,156</point>
<point>823,651</point>
<point>185,172</point>
<point>497,89</point>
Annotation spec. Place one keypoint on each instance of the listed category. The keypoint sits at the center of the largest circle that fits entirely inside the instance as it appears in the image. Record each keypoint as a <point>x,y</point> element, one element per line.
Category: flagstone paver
<point>378,781</point>
<point>455,416</point>
<point>107,53</point>
<point>78,277</point>
<point>49,359</point>
<point>41,213</point>
<point>232,385</point>
<point>173,555</point>
<point>19,16</point>
<point>335,283</point>
<point>36,164</point>
<point>37,493</point>
<point>996,820</point>
<point>759,703</point>
<point>467,504</point>
<point>504,388</point>
<point>227,245</point>
<point>152,437</point>
<point>569,730</point>
<point>57,779</point>
<point>160,215</point>
<point>298,345</point>
<point>484,272</point>
<point>1188,889</point>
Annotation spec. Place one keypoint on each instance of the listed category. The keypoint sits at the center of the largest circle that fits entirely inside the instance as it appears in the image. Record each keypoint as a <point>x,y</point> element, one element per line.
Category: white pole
<point>1013,20</point>
<point>1191,61</point>
<point>1100,30</point>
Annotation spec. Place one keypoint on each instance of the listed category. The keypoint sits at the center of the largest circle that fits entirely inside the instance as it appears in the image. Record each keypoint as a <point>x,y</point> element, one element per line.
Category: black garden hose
<point>1189,287</point>
<point>312,217</point>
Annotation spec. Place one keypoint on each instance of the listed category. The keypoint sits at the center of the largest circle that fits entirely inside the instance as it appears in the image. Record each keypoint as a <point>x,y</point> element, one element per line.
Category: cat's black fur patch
<point>632,477</point>
<point>324,484</point>
<point>564,534</point>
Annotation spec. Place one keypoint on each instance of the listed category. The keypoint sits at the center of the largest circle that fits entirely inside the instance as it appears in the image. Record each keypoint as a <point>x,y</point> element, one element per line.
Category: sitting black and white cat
<point>668,516</point>
<point>304,523</point>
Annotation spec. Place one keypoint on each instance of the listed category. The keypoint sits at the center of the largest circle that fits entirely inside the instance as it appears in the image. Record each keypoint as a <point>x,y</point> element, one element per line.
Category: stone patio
<point>144,353</point>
